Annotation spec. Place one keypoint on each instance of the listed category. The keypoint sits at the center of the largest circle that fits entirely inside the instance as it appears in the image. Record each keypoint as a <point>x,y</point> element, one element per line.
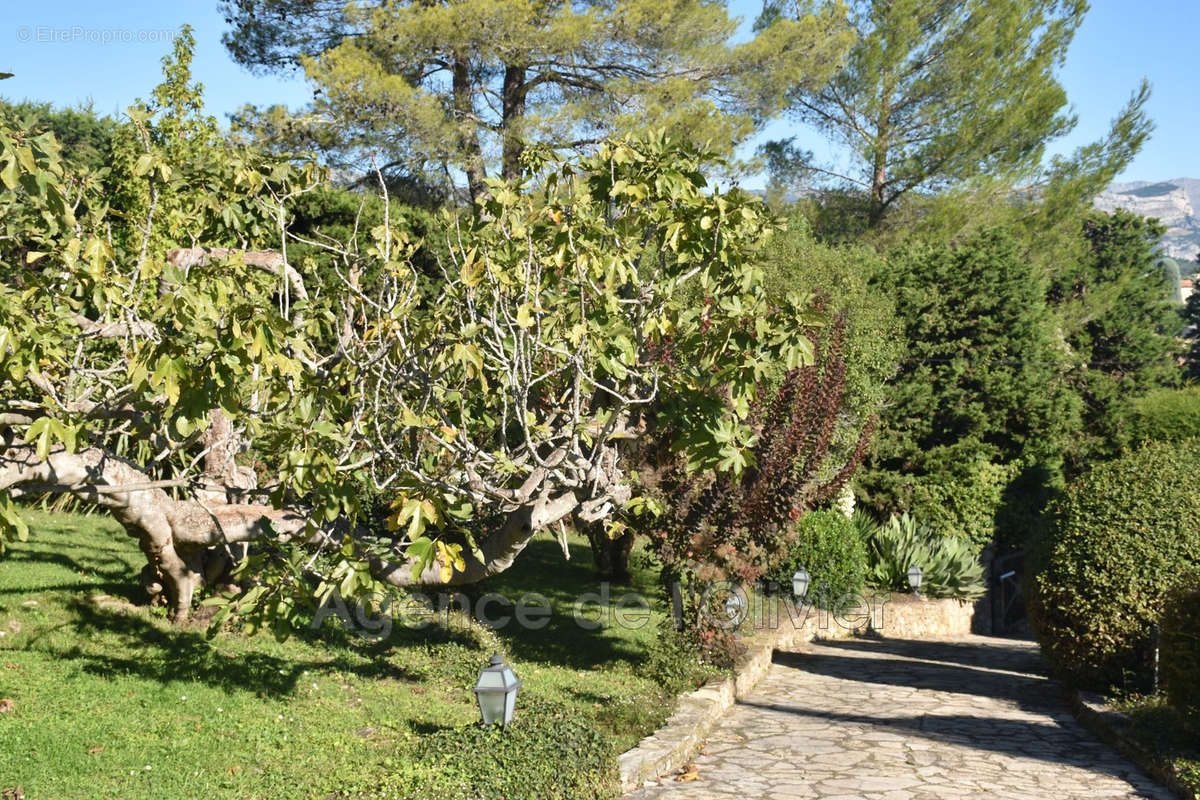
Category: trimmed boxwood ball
<point>831,549</point>
<point>1180,646</point>
<point>1118,540</point>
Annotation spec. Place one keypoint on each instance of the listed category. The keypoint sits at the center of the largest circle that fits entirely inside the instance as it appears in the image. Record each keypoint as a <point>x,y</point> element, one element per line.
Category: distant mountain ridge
<point>1174,203</point>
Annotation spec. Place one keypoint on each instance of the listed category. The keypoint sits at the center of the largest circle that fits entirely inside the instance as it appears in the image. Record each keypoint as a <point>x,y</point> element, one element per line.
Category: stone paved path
<point>889,719</point>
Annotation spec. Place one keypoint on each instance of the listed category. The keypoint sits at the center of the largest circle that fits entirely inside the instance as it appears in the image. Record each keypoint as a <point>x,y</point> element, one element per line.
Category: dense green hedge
<point>1118,540</point>
<point>1166,415</point>
<point>964,507</point>
<point>1180,646</point>
<point>1001,504</point>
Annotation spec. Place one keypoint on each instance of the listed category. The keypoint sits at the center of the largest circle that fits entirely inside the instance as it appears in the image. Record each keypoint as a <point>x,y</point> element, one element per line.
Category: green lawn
<point>110,701</point>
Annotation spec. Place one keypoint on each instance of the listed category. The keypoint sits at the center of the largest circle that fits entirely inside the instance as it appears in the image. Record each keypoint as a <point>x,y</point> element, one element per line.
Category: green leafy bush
<point>965,507</point>
<point>1001,504</point>
<point>674,662</point>
<point>546,752</point>
<point>949,566</point>
<point>1117,541</point>
<point>829,547</point>
<point>1166,415</point>
<point>1180,646</point>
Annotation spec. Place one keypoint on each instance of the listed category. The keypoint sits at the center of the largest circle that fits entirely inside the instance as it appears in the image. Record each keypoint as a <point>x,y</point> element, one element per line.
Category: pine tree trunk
<point>514,111</point>
<point>468,137</point>
<point>879,171</point>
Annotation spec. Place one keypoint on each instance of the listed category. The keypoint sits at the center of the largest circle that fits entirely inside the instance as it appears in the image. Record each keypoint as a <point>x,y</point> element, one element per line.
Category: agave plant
<point>950,567</point>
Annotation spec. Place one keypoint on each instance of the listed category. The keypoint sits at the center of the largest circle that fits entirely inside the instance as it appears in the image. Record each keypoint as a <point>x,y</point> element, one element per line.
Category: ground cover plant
<point>106,699</point>
<point>1168,734</point>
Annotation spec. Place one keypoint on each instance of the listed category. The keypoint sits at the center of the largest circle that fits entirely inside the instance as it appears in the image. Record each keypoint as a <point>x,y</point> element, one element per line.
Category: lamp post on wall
<point>800,583</point>
<point>735,607</point>
<point>914,579</point>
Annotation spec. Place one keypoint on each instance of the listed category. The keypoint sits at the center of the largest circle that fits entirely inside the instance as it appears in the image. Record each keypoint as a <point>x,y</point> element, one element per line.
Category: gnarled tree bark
<point>499,549</point>
<point>173,534</point>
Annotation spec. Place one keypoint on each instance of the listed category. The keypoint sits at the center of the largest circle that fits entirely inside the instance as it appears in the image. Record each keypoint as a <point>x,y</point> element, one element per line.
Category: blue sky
<point>73,51</point>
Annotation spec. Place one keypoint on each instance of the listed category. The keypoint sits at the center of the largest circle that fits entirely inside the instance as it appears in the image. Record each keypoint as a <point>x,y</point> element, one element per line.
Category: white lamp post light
<point>735,607</point>
<point>800,583</point>
<point>497,692</point>
<point>914,579</point>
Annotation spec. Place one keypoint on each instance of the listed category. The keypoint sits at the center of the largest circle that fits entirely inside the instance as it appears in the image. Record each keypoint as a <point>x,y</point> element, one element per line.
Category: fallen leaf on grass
<point>11,665</point>
<point>94,750</point>
<point>234,770</point>
<point>13,793</point>
<point>6,705</point>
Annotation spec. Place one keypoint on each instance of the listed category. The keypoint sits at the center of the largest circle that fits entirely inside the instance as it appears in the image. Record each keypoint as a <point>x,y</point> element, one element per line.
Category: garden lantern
<point>497,692</point>
<point>800,584</point>
<point>735,607</point>
<point>914,578</point>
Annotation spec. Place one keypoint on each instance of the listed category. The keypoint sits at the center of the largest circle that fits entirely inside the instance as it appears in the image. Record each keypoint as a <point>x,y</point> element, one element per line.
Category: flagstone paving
<point>889,719</point>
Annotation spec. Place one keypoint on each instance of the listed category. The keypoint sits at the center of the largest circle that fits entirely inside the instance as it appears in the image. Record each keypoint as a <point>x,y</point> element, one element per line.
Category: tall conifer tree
<point>465,87</point>
<point>936,92</point>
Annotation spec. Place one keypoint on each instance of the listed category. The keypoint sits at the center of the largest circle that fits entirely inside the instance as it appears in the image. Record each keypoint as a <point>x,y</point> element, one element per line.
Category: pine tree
<point>937,92</point>
<point>467,87</point>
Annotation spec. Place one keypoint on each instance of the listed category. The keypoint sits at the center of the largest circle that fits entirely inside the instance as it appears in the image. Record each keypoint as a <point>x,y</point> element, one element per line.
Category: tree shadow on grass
<point>116,577</point>
<point>564,640</point>
<point>112,639</point>
<point>151,651</point>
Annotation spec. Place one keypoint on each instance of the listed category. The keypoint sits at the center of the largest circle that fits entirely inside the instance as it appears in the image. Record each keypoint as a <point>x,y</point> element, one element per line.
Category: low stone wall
<point>909,617</point>
<point>900,617</point>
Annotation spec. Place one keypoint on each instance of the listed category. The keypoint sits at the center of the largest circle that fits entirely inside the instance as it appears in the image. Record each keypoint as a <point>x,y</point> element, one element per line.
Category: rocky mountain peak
<point>1173,202</point>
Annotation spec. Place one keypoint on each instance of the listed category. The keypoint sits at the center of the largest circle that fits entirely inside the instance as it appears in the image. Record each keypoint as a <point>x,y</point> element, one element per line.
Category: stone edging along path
<point>1110,726</point>
<point>671,747</point>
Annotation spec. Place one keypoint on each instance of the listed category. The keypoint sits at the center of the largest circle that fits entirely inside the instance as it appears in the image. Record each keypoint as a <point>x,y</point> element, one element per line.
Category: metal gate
<point>1008,599</point>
